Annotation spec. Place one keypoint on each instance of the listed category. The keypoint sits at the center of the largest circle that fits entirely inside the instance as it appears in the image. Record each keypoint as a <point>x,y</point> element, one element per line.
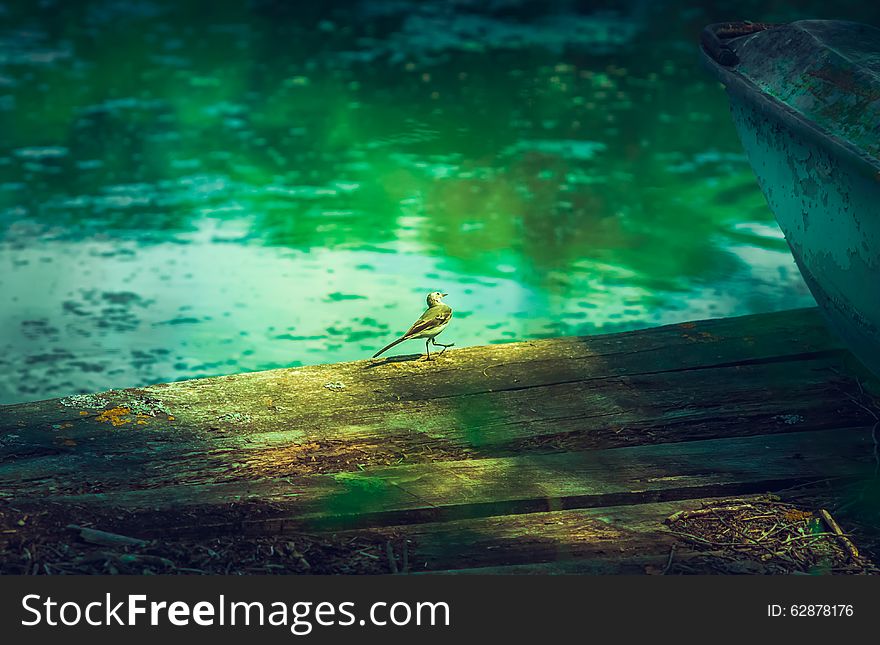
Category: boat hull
<point>805,99</point>
<point>829,210</point>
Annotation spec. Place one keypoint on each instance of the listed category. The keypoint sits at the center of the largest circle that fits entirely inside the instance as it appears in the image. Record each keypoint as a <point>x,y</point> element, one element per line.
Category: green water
<point>192,189</point>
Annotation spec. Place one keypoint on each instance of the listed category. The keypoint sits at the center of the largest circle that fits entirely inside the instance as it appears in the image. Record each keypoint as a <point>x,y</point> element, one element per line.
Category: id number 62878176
<point>806,611</point>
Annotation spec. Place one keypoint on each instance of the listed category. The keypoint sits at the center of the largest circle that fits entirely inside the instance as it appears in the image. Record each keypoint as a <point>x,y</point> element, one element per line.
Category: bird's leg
<point>436,344</point>
<point>428,350</point>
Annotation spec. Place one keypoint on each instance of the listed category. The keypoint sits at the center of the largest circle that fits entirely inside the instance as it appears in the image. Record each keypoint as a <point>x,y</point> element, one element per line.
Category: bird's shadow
<point>405,358</point>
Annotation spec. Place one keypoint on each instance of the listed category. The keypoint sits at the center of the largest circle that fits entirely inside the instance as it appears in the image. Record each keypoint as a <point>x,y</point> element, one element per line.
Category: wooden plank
<point>525,484</point>
<point>633,536</point>
<point>631,411</point>
<point>599,392</point>
<point>280,400</point>
<point>618,532</point>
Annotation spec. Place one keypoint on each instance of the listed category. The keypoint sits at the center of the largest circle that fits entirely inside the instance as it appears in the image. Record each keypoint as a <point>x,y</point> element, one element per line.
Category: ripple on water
<point>225,207</point>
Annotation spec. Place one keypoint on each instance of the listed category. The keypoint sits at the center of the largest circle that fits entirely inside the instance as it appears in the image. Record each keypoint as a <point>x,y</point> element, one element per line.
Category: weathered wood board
<point>528,483</point>
<point>500,435</point>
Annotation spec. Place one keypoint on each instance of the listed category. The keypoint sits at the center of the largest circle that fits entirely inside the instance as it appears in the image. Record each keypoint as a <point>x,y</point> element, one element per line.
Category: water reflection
<point>190,189</point>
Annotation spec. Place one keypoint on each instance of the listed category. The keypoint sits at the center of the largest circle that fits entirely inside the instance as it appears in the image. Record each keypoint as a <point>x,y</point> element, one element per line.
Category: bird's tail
<point>387,347</point>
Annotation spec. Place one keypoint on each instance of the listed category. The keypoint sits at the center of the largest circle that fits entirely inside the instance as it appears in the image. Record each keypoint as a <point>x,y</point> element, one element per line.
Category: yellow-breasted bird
<point>432,322</point>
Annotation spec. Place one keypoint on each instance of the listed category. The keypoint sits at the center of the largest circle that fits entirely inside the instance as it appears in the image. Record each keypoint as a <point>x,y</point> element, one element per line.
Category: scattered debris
<point>339,456</point>
<point>766,535</point>
<point>669,560</point>
<point>844,540</point>
<point>44,545</point>
<point>104,538</point>
<point>392,559</point>
<point>389,553</point>
<point>110,559</point>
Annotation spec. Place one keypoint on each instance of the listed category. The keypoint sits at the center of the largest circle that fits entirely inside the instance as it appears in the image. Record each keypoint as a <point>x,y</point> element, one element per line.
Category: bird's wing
<point>433,317</point>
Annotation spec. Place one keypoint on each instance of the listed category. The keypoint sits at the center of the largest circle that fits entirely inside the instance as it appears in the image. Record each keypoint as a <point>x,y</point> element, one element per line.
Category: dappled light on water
<point>186,194</point>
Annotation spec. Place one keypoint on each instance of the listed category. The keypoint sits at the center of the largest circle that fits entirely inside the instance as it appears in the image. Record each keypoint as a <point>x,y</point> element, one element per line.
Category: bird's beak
<point>445,294</point>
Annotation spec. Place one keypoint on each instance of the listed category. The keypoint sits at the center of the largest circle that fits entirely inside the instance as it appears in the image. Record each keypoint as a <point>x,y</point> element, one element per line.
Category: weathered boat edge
<point>822,191</point>
<point>738,85</point>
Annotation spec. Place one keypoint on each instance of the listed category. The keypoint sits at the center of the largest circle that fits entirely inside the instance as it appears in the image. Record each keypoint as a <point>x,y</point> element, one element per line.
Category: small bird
<point>431,323</point>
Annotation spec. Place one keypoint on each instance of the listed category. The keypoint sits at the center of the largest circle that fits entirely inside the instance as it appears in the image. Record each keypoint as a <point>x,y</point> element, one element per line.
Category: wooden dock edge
<point>479,445</point>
